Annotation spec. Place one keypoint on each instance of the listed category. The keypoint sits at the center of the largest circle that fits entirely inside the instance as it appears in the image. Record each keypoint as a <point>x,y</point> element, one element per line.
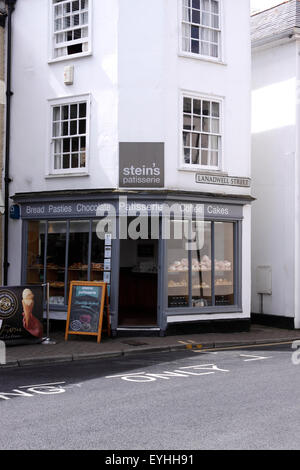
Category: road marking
<point>52,388</point>
<point>254,358</point>
<point>42,385</point>
<point>246,346</point>
<point>167,375</point>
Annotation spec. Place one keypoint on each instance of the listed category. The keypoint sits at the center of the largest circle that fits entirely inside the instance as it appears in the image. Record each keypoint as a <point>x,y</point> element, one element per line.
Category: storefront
<point>155,275</point>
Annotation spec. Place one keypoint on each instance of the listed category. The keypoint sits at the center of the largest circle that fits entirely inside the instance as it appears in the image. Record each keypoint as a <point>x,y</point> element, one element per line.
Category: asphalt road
<point>233,399</point>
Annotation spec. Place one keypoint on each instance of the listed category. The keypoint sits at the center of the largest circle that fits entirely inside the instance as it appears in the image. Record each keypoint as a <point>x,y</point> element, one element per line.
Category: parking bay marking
<point>254,358</point>
<point>167,375</point>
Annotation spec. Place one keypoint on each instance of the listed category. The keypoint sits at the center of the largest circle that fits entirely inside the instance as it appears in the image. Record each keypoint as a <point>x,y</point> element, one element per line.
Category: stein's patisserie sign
<point>21,313</point>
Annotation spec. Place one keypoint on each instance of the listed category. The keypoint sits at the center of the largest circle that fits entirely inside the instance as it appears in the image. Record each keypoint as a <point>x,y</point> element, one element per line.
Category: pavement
<point>84,348</point>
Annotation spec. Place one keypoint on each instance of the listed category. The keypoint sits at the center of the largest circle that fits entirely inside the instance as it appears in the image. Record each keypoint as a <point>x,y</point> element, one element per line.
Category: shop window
<point>71,28</point>
<point>78,251</point>
<point>97,255</point>
<point>72,250</point>
<point>56,260</point>
<point>178,268</point>
<point>201,28</point>
<point>202,276</point>
<point>224,264</point>
<point>201,267</point>
<point>35,252</point>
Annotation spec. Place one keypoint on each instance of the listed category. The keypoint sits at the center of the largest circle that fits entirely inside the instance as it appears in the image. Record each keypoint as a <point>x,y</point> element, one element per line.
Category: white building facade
<point>148,101</point>
<point>275,164</point>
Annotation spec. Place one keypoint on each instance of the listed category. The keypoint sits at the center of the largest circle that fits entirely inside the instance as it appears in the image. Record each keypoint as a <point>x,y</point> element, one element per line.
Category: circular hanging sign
<point>8,304</point>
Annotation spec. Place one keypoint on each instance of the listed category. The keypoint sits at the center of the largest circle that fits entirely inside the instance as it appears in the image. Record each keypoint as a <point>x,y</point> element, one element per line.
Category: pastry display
<point>177,284</point>
<point>199,265</point>
<point>77,266</point>
<point>57,284</point>
<point>97,266</point>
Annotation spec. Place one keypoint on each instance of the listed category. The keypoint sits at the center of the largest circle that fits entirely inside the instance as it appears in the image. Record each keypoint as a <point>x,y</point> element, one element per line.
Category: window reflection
<point>35,252</point>
<point>224,262</point>
<point>201,265</point>
<point>178,267</point>
<point>55,267</point>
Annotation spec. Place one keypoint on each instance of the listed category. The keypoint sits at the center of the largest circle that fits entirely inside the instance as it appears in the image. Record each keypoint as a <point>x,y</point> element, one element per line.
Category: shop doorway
<point>138,283</point>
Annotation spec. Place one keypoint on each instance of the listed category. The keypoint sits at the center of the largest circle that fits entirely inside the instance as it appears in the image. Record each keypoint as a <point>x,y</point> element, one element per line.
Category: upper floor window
<point>201,135</point>
<point>70,27</point>
<point>69,136</point>
<point>201,28</point>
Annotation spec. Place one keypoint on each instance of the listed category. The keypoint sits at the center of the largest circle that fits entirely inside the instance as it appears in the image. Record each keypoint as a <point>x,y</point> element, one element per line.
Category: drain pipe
<point>10,8</point>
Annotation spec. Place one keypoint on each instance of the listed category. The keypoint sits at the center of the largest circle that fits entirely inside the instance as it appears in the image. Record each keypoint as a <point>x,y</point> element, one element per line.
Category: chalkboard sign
<point>86,309</point>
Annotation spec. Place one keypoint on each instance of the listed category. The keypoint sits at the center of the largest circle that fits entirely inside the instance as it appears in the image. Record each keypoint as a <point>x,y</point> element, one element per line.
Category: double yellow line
<point>245,346</point>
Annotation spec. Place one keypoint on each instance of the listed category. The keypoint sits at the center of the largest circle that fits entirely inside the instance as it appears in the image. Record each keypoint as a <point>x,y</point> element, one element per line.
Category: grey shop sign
<point>71,209</point>
<point>141,165</point>
<point>223,180</point>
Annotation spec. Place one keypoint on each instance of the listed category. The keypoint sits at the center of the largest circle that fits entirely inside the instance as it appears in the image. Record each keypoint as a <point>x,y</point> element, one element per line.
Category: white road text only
<point>52,388</point>
<point>167,375</point>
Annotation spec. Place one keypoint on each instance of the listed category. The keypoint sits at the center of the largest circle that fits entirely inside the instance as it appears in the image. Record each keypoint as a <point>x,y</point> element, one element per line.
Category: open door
<point>138,283</point>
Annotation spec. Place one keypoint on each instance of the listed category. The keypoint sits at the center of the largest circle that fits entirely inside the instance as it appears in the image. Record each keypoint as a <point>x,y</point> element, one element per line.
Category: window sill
<point>203,171</point>
<point>189,55</point>
<point>70,57</point>
<point>65,175</point>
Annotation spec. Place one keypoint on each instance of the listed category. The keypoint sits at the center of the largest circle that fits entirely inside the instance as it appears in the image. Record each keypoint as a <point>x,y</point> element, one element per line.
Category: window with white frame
<point>201,28</point>
<point>70,27</point>
<point>69,136</point>
<point>201,135</point>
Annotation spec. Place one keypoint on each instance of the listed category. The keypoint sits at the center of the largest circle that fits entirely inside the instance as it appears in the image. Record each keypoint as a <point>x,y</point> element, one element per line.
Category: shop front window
<point>178,268</point>
<point>78,251</point>
<point>56,261</point>
<point>203,275</point>
<point>35,252</point>
<point>224,272</point>
<point>97,255</point>
<point>201,266</point>
<point>72,250</point>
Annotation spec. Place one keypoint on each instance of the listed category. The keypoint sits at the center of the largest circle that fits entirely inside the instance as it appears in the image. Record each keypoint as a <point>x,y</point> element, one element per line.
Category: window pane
<point>201,265</point>
<point>215,6</point>
<point>196,16</point>
<point>215,109</point>
<point>215,127</point>
<point>97,256</point>
<point>186,155</point>
<point>35,252</point>
<point>56,113</point>
<point>78,251</point>
<point>214,157</point>
<point>197,124</point>
<point>206,125</point>
<point>195,47</point>
<point>204,157</point>
<point>187,105</point>
<point>206,108</point>
<point>187,122</point>
<point>224,263</point>
<point>177,263</point>
<point>195,157</point>
<point>56,254</point>
<point>197,107</point>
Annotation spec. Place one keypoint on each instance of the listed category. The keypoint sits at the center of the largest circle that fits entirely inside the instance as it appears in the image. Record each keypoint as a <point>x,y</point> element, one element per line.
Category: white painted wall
<point>135,76</point>
<point>273,172</point>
